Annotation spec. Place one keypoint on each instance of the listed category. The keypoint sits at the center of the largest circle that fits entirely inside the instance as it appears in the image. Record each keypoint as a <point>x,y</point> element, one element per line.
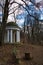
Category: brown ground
<point>36,52</point>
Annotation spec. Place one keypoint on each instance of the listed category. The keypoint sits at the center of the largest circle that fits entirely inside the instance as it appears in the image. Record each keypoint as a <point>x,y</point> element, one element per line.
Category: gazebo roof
<point>13,24</point>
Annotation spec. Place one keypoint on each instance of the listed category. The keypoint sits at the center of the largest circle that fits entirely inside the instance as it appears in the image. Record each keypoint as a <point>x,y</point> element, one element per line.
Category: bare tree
<point>6,9</point>
<point>7,5</point>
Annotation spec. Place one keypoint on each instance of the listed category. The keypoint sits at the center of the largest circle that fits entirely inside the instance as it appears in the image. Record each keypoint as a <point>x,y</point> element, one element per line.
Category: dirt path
<point>35,50</point>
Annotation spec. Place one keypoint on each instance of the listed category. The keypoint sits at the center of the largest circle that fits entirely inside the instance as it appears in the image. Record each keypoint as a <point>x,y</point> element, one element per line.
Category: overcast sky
<point>11,17</point>
<point>38,1</point>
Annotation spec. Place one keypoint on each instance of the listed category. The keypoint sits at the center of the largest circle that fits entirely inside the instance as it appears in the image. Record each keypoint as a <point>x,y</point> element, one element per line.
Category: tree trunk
<point>4,20</point>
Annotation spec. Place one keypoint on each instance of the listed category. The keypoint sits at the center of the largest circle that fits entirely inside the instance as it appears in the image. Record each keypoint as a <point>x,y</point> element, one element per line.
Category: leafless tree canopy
<point>7,10</point>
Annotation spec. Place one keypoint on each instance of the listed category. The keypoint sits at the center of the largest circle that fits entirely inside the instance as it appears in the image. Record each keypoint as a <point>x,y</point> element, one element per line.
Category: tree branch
<point>27,11</point>
<point>12,8</point>
<point>1,5</point>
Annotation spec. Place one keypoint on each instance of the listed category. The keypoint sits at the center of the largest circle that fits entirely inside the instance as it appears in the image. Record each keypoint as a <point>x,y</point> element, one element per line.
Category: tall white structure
<point>12,33</point>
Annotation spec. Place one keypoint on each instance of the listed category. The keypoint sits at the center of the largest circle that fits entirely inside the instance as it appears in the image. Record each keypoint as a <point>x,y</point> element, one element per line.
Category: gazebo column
<point>7,35</point>
<point>11,36</point>
<point>18,36</point>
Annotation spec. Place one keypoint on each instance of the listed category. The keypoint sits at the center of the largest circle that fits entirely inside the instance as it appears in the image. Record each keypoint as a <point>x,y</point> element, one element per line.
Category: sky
<point>11,17</point>
<point>38,1</point>
<point>20,21</point>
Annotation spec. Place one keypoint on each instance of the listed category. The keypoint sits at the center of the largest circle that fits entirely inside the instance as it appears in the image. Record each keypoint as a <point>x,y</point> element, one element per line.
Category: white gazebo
<point>12,33</point>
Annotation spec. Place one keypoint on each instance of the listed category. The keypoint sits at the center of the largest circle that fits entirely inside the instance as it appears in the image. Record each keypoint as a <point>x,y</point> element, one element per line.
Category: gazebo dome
<point>12,24</point>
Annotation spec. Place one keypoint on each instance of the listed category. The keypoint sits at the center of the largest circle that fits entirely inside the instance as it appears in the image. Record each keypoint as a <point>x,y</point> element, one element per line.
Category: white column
<point>11,36</point>
<point>7,35</point>
<point>18,36</point>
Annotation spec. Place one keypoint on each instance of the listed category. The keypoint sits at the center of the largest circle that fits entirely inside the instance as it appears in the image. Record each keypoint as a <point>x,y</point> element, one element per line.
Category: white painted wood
<point>18,36</point>
<point>12,28</point>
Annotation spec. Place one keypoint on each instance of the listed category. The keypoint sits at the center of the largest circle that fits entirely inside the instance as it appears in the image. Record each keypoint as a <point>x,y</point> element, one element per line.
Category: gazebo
<point>12,33</point>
